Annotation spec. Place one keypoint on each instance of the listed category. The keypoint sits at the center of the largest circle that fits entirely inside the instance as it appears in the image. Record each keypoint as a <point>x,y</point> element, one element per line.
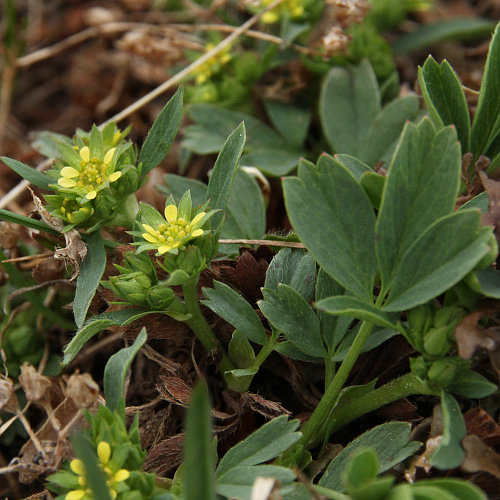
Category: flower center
<point>93,174</point>
<point>174,231</point>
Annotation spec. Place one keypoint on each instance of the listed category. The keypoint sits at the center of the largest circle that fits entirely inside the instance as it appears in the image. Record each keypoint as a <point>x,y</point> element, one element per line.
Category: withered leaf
<point>479,456</point>
<point>471,336</point>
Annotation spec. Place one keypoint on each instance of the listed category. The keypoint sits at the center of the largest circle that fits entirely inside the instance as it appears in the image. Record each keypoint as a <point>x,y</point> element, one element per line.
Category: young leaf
<point>91,271</point>
<point>361,469</point>
<point>177,185</point>
<point>355,308</point>
<point>162,133</point>
<point>272,161</point>
<point>449,453</point>
<point>422,185</point>
<point>32,175</point>
<point>295,268</point>
<point>219,186</point>
<point>199,463</point>
<point>332,215</point>
<point>349,102</point>
<point>438,260</point>
<point>97,324</point>
<point>445,99</point>
<point>291,314</point>
<point>486,125</point>
<point>234,309</point>
<point>116,369</point>
<point>355,166</point>
<point>391,443</point>
<point>456,488</point>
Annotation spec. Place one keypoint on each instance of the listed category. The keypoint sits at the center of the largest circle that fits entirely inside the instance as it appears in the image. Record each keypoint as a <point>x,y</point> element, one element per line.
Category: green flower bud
<point>240,351</point>
<point>491,256</point>
<point>436,341</point>
<point>131,287</point>
<point>450,316</point>
<point>418,367</point>
<point>420,318</point>
<point>160,297</point>
<point>140,263</point>
<point>442,372</point>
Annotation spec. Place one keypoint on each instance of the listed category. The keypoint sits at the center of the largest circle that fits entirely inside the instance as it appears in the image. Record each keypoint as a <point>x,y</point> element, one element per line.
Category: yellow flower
<point>92,175</point>
<point>113,477</point>
<point>213,65</point>
<point>289,8</point>
<point>175,233</point>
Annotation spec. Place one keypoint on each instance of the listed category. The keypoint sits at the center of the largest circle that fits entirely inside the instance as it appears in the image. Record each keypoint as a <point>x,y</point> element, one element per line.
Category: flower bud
<point>442,372</point>
<point>160,297</point>
<point>436,341</point>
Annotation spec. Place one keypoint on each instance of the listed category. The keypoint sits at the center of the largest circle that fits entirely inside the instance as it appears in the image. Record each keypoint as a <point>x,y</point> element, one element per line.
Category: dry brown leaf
<point>75,250</point>
<point>35,385</point>
<point>82,390</point>
<point>480,423</point>
<point>479,457</point>
<point>8,399</point>
<point>471,336</point>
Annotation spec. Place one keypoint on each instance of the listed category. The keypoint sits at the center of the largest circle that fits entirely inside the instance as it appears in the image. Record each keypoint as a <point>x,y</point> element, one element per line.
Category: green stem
<point>266,350</point>
<point>328,493</point>
<point>404,386</point>
<point>313,429</point>
<point>200,326</point>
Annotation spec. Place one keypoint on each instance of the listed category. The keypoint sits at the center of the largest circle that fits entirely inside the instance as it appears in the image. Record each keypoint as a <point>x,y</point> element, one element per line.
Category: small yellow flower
<point>113,477</point>
<point>289,8</point>
<point>175,233</point>
<point>213,65</point>
<point>92,175</point>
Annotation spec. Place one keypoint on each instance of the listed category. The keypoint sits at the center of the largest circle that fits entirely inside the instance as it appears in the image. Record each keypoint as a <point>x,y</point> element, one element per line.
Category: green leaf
<point>386,127</point>
<point>32,175</point>
<point>391,443</point>
<point>98,323</point>
<point>353,307</point>
<point>480,201</point>
<point>266,443</point>
<point>422,185</point>
<point>116,369</point>
<point>445,99</point>
<point>295,268</point>
<point>91,271</point>
<point>349,102</point>
<point>273,161</point>
<point>239,481</point>
<point>332,330</point>
<point>47,143</point>
<point>332,215</point>
<point>489,281</point>
<point>240,351</point>
<point>438,260</point>
<point>162,133</point>
<point>449,454</point>
<point>22,220</point>
<point>355,166</point>
<point>219,187</point>
<point>199,464</point>
<point>289,313</point>
<point>466,28</point>
<point>471,384</point>
<point>374,184</point>
<point>234,309</point>
<point>361,469</point>
<point>292,122</point>
<point>246,211</point>
<point>486,125</point>
<point>457,488</point>
<point>177,185</point>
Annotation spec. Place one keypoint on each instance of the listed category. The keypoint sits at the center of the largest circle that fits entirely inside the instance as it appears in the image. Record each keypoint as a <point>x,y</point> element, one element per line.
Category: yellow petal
<point>149,229</point>
<point>91,195</point>
<point>197,218</point>
<point>69,172</point>
<point>121,475</point>
<point>149,238</point>
<point>115,176</point>
<point>269,17</point>
<point>196,233</point>
<point>171,213</point>
<point>66,183</point>
<point>108,157</point>
<point>113,494</point>
<point>85,154</point>
<point>76,465</point>
<point>164,249</point>
<point>75,495</point>
<point>104,452</point>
